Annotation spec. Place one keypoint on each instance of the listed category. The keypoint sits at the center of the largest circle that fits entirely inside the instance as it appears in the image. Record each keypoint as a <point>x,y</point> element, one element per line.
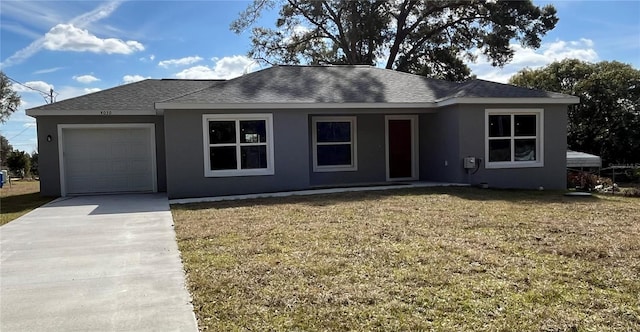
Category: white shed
<point>577,159</point>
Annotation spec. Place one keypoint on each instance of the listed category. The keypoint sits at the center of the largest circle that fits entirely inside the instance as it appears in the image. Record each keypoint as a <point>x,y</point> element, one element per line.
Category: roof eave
<point>49,112</point>
<point>514,100</point>
<point>160,107</point>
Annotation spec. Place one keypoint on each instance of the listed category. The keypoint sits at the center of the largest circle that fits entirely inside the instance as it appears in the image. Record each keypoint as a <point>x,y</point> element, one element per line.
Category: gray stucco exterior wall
<point>292,156</point>
<point>472,143</point>
<point>48,162</point>
<point>439,146</point>
<point>370,150</point>
<point>446,136</point>
<point>455,132</point>
<point>185,156</point>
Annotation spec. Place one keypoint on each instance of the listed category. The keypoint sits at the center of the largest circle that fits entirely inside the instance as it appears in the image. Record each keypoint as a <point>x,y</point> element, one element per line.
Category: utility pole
<point>51,96</point>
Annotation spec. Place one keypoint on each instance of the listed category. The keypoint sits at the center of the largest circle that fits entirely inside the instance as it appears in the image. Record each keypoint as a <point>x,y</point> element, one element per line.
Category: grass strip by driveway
<point>19,198</point>
<point>442,259</point>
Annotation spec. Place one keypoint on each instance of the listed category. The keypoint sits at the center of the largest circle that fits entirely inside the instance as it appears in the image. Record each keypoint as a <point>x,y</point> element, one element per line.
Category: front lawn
<point>19,198</point>
<point>444,259</point>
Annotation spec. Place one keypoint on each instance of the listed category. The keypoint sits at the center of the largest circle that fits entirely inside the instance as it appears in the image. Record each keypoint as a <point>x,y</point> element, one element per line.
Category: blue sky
<point>78,47</point>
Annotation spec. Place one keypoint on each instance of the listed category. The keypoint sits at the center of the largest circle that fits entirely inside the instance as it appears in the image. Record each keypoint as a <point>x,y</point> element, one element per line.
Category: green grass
<point>19,198</point>
<point>443,259</point>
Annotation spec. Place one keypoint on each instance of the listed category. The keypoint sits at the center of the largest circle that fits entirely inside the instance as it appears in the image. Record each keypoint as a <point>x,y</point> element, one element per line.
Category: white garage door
<point>106,159</point>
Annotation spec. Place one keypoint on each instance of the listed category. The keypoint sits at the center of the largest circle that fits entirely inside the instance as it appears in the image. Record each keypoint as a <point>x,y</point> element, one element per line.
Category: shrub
<point>19,163</point>
<point>586,181</point>
<point>631,192</point>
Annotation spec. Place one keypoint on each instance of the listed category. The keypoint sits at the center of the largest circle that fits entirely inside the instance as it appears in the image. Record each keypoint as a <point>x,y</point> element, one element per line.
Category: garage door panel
<point>101,160</point>
<point>120,166</point>
<point>72,166</point>
<point>139,166</point>
<point>98,166</point>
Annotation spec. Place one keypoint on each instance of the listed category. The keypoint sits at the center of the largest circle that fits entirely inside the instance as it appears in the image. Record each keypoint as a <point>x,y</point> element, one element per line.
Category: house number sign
<point>105,112</point>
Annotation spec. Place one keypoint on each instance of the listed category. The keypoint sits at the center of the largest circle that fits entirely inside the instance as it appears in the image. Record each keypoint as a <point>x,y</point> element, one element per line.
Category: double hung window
<point>238,145</point>
<point>334,144</point>
<point>514,138</point>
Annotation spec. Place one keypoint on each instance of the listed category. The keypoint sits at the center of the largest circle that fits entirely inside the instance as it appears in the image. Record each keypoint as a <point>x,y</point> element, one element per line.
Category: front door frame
<point>414,145</point>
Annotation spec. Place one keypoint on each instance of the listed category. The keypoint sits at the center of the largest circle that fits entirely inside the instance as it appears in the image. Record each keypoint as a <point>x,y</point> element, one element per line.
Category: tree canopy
<point>433,38</point>
<point>5,149</point>
<point>607,120</point>
<point>19,162</point>
<point>9,99</point>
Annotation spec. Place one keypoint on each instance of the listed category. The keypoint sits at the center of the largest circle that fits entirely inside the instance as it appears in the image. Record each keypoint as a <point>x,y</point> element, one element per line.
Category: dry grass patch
<point>20,198</point>
<point>421,259</point>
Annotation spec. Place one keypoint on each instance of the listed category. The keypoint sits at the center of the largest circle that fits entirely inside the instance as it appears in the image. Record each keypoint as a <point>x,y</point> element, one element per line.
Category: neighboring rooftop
<point>577,159</point>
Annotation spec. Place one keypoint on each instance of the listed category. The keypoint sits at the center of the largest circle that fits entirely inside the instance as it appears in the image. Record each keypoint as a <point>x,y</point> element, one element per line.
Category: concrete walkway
<point>94,263</point>
<point>319,191</point>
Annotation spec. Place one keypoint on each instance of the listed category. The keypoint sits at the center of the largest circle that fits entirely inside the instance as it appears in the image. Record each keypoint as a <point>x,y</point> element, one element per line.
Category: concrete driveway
<point>94,263</point>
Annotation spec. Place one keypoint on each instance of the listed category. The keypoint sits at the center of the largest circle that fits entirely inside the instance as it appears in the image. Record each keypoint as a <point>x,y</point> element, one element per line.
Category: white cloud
<point>32,86</point>
<point>180,62</point>
<point>133,78</point>
<point>31,98</point>
<point>67,37</point>
<point>38,15</point>
<point>97,14</point>
<point>582,49</point>
<point>197,72</point>
<point>23,54</point>
<point>558,50</point>
<point>86,79</point>
<point>47,70</point>
<point>224,68</point>
<point>67,92</point>
<point>147,59</point>
<point>92,90</point>
<point>80,21</point>
<point>297,31</point>
<point>19,29</point>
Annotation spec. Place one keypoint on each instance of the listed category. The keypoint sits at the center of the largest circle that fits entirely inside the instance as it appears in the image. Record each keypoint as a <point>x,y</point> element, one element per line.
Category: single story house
<point>300,127</point>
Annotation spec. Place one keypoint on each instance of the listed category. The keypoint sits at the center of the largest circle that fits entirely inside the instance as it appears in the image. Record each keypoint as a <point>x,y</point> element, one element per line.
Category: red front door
<point>400,149</point>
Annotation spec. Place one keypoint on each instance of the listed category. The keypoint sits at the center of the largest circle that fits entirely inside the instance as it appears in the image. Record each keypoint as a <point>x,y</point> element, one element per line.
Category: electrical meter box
<point>469,162</point>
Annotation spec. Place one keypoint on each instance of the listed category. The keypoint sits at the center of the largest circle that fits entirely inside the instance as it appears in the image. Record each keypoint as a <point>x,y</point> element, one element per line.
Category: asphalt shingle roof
<point>295,84</point>
<point>487,89</point>
<point>138,96</point>
<point>322,84</point>
<point>349,84</point>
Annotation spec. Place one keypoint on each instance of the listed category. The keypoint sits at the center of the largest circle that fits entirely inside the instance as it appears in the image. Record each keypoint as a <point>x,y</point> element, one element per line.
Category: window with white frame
<point>514,138</point>
<point>334,144</point>
<point>238,144</point>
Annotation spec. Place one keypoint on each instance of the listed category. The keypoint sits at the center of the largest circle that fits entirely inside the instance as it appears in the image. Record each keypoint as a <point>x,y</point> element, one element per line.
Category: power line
<point>45,95</point>
<point>26,86</point>
<point>20,133</point>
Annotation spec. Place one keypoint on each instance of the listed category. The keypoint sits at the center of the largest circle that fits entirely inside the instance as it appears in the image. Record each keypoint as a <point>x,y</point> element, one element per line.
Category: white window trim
<point>539,137</point>
<point>270,170</point>
<point>354,144</point>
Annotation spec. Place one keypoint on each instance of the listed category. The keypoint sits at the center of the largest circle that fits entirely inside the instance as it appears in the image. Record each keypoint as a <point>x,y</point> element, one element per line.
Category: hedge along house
<point>301,127</point>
